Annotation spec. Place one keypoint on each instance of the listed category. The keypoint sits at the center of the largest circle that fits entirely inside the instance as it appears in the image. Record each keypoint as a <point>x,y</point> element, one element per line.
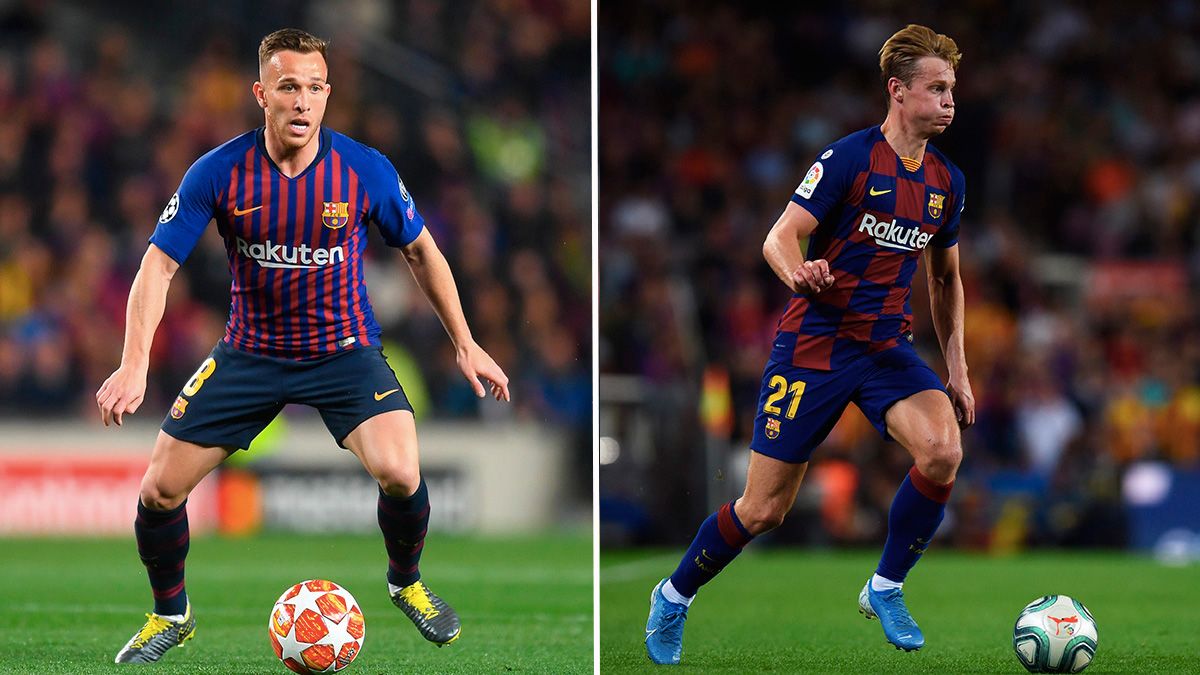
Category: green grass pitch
<point>796,611</point>
<point>525,603</point>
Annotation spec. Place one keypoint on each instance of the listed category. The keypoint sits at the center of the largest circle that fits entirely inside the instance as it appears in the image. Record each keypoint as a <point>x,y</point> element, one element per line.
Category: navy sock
<point>720,538</point>
<point>162,541</point>
<point>404,523</point>
<point>916,512</point>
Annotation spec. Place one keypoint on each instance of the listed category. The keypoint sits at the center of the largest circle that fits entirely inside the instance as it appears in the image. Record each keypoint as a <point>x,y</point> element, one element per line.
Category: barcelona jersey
<point>295,245</point>
<point>876,213</point>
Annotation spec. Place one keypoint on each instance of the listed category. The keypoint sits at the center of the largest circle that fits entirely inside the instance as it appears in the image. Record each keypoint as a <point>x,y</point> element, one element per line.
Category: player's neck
<point>291,162</point>
<point>903,138</point>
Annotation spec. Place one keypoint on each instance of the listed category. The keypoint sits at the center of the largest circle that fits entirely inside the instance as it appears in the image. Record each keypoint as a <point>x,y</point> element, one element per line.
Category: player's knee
<point>940,458</point>
<point>398,479</point>
<point>761,517</point>
<point>157,496</point>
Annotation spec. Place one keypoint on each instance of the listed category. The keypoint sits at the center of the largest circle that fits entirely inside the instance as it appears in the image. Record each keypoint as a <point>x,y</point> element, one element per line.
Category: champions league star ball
<point>316,627</point>
<point>1055,634</point>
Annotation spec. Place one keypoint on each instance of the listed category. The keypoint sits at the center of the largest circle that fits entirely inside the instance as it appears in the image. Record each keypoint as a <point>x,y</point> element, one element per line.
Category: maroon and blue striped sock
<point>162,541</point>
<point>404,522</point>
<point>720,538</point>
<point>916,512</point>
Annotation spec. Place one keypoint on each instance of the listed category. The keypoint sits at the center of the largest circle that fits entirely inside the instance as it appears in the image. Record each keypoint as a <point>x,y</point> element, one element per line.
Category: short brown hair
<point>899,55</point>
<point>290,40</point>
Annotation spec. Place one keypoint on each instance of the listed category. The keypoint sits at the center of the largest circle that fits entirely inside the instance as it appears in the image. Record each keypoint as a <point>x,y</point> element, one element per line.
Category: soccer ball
<point>1055,634</point>
<point>316,627</point>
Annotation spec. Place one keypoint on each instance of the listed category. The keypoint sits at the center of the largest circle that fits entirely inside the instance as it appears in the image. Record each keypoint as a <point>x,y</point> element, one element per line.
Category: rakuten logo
<point>891,235</point>
<point>301,257</point>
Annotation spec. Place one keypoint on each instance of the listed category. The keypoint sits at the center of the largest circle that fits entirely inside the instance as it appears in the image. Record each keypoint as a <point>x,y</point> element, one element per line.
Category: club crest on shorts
<point>772,428</point>
<point>935,205</point>
<point>335,214</point>
<point>179,407</point>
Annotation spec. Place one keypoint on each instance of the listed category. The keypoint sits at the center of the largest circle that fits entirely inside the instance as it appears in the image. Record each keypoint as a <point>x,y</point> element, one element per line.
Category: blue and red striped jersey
<point>295,245</point>
<point>875,214</point>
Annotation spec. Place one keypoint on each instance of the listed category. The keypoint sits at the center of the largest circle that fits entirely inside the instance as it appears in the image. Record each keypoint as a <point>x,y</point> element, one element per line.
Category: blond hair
<point>290,40</point>
<point>899,55</point>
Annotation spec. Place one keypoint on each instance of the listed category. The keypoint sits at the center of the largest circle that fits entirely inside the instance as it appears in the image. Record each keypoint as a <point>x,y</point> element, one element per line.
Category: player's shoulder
<point>357,152</point>
<point>228,153</point>
<point>215,164</point>
<point>213,167</point>
<point>855,147</point>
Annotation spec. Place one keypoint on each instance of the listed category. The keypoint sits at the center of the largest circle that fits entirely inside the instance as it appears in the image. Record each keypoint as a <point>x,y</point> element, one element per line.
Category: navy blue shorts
<point>797,407</point>
<point>235,394</point>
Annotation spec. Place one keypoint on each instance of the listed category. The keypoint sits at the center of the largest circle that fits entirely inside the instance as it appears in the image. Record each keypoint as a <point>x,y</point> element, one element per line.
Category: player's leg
<point>225,404</point>
<point>906,402</point>
<point>771,487</point>
<point>365,409</point>
<point>387,446</point>
<point>161,529</point>
<point>923,423</point>
<point>797,408</point>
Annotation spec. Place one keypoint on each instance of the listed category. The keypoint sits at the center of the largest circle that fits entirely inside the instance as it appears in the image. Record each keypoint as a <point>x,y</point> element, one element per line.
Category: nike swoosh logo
<point>651,632</point>
<point>876,194</point>
<point>389,392</point>
<point>239,212</point>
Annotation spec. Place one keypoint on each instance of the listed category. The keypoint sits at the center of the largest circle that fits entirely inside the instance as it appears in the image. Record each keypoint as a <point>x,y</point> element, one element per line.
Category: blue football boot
<point>664,628</point>
<point>898,625</point>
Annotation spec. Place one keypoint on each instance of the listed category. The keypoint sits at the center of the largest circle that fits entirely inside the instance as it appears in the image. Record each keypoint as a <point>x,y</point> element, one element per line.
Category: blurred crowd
<point>1078,129</point>
<point>481,106</point>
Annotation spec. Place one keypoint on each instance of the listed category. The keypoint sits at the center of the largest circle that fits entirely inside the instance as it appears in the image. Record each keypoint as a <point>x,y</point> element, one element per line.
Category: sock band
<point>731,527</point>
<point>933,491</point>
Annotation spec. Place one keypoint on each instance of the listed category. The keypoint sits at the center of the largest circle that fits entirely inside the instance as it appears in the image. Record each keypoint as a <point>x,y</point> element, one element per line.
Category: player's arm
<point>432,273</point>
<point>946,304</point>
<point>124,390</point>
<point>784,252</point>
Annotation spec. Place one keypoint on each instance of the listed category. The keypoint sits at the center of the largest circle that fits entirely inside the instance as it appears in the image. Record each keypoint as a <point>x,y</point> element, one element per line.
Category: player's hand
<point>963,400</point>
<point>475,364</point>
<point>122,393</point>
<point>812,276</point>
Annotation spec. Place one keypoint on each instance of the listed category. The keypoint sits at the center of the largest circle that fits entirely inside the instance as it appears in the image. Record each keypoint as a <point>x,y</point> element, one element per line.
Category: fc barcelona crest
<point>179,408</point>
<point>772,429</point>
<point>335,214</point>
<point>935,205</point>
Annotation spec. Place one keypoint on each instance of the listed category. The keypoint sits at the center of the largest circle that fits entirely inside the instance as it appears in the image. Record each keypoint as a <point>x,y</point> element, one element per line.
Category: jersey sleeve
<point>188,213</point>
<point>391,206</point>
<point>947,235</point>
<point>827,181</point>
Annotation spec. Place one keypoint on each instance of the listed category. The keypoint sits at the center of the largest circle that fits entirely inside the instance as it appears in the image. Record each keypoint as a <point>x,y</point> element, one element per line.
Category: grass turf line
<point>796,611</point>
<point>67,606</point>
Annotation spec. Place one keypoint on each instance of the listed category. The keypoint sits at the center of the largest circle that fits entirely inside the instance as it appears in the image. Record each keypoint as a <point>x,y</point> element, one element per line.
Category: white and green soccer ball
<point>1055,634</point>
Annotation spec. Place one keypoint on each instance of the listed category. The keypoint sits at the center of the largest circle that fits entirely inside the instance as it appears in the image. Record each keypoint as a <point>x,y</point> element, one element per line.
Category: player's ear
<point>259,94</point>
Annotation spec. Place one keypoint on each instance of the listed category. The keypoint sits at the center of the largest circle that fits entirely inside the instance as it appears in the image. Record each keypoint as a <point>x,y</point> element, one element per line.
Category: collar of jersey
<point>325,142</point>
<point>878,129</point>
